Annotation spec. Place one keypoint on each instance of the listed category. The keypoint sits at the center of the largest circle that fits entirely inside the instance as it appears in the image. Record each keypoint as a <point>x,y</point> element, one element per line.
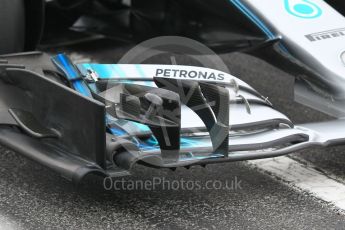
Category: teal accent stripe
<point>65,65</point>
<point>253,18</point>
<point>142,74</point>
<point>119,71</point>
<point>256,21</point>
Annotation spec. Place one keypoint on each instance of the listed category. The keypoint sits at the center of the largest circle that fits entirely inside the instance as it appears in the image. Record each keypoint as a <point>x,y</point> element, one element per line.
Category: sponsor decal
<point>306,9</point>
<point>190,74</point>
<point>325,35</point>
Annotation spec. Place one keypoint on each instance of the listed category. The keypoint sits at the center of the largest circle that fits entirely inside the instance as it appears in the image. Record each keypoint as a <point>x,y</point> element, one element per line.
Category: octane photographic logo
<point>172,57</point>
<point>306,9</point>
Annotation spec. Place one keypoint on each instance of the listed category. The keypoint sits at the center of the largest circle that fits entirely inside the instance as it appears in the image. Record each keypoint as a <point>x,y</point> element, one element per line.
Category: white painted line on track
<point>304,178</point>
<point>8,224</point>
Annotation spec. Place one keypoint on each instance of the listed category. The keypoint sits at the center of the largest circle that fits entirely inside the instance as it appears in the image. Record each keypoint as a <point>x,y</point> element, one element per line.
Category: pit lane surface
<point>32,197</point>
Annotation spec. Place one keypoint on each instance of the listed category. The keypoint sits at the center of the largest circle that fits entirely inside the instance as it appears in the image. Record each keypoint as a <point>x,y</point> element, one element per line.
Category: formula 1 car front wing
<point>104,118</point>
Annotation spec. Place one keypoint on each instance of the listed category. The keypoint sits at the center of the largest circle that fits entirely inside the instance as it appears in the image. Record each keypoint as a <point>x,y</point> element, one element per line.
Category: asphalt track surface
<point>33,197</point>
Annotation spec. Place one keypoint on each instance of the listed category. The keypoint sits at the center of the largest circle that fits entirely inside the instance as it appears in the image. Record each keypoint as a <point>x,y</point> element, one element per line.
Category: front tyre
<point>12,26</point>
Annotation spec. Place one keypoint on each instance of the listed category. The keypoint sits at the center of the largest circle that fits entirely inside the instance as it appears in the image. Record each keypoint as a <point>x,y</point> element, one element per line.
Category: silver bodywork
<point>314,39</point>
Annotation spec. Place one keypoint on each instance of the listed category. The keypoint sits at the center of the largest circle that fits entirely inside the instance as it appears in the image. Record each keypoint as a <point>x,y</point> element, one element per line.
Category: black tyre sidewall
<point>12,26</point>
